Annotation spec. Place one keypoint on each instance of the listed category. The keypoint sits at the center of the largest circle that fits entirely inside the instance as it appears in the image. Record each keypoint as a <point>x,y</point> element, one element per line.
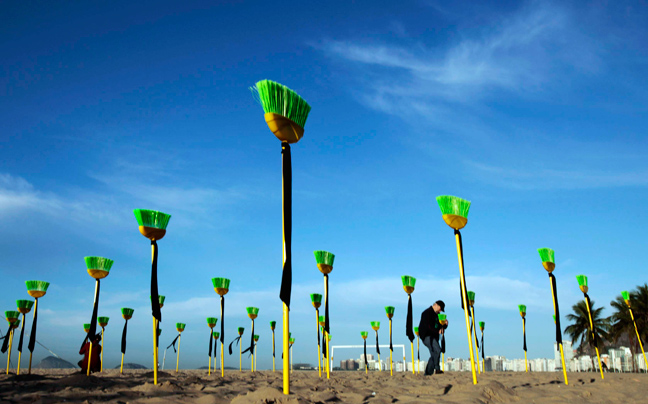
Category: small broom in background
<point>12,318</point>
<point>256,340</point>
<point>98,268</point>
<point>152,225</point>
<point>481,327</point>
<point>180,327</point>
<point>455,214</point>
<point>626,298</point>
<point>523,315</point>
<point>292,342</point>
<point>471,301</point>
<point>549,264</point>
<point>86,327</point>
<point>103,322</point>
<point>252,312</point>
<point>24,307</point>
<point>216,334</point>
<point>316,300</point>
<point>127,314</point>
<point>375,325</point>
<point>408,285</point>
<point>364,335</point>
<point>211,322</point>
<point>36,289</point>
<point>325,261</point>
<point>240,330</point>
<point>389,310</point>
<point>273,325</point>
<point>285,114</point>
<point>418,353</point>
<point>582,284</point>
<point>443,320</point>
<point>221,287</point>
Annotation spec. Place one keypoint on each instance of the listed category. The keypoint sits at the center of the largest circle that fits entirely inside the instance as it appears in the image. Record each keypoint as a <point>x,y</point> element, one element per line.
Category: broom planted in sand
<point>418,353</point>
<point>256,340</point>
<point>626,298</point>
<point>285,113</point>
<point>127,314</point>
<point>408,285</point>
<point>240,330</point>
<point>471,301</point>
<point>389,310</point>
<point>36,289</point>
<point>443,320</point>
<point>582,284</point>
<point>291,341</point>
<point>152,225</point>
<point>455,214</point>
<point>211,322</point>
<point>180,327</point>
<point>98,268</point>
<point>273,325</point>
<point>216,334</point>
<point>325,261</point>
<point>24,307</point>
<point>549,264</point>
<point>103,322</point>
<point>86,327</point>
<point>481,327</point>
<point>316,300</point>
<point>364,335</point>
<point>13,319</point>
<point>522,309</point>
<point>221,287</point>
<point>375,325</point>
<point>252,312</point>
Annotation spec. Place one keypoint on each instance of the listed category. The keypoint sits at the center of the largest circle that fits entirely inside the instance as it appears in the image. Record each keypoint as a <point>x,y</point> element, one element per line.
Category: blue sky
<point>534,111</point>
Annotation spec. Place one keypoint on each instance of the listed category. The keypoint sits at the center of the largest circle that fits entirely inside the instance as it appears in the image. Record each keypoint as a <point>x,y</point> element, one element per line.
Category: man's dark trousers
<point>435,353</point>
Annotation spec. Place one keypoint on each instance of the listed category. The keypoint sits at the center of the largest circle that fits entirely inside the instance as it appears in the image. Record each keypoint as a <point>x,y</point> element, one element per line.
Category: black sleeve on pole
<point>443,345</point>
<point>391,347</point>
<point>5,343</point>
<point>235,340</point>
<point>211,343</point>
<point>482,348</point>
<point>93,321</point>
<point>377,346</point>
<point>123,339</point>
<point>589,305</point>
<point>365,353</point>
<point>251,347</point>
<point>408,323</point>
<point>173,343</point>
<point>22,332</point>
<point>222,334</point>
<point>286,276</point>
<point>555,298</point>
<point>524,322</point>
<point>155,298</point>
<point>273,345</point>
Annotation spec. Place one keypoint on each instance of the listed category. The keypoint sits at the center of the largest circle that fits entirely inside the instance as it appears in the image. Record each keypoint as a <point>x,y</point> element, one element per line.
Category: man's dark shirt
<point>429,325</point>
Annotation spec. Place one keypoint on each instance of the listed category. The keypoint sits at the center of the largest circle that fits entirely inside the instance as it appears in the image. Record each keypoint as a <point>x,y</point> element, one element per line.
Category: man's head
<point>438,306</point>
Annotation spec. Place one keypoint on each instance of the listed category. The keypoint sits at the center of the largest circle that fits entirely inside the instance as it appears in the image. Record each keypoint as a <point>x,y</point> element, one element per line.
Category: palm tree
<point>580,330</point>
<point>639,302</point>
<point>621,326</point>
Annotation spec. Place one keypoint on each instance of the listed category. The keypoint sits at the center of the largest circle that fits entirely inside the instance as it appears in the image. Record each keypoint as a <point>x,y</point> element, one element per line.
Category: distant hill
<point>52,362</point>
<point>131,366</point>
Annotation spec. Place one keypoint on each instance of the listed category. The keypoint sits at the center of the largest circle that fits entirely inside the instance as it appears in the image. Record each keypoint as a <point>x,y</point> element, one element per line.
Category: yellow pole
<point>633,322</point>
<point>255,358</point>
<point>589,313</point>
<point>89,358</point>
<point>252,349</point>
<point>526,366</point>
<point>562,355</point>
<point>155,353</point>
<point>209,366</point>
<point>391,366</point>
<point>178,357</point>
<point>286,372</point>
<point>102,344</point>
<point>465,304</point>
<point>22,330</point>
<point>418,362</point>
<point>442,362</point>
<point>30,353</point>
<point>412,346</point>
<point>241,353</point>
<point>222,357</point>
<point>319,348</point>
<point>273,357</point>
<point>10,336</point>
<point>291,361</point>
<point>328,358</point>
<point>121,369</point>
<point>472,310</point>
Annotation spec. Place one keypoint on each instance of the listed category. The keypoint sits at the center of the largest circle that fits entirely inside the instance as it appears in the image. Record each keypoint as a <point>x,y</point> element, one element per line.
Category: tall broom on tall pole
<point>389,310</point>
<point>152,225</point>
<point>481,327</point>
<point>127,314</point>
<point>36,289</point>
<point>211,322</point>
<point>291,341</point>
<point>325,261</point>
<point>582,284</point>
<point>240,331</point>
<point>253,313</point>
<point>316,300</point>
<point>549,264</point>
<point>216,335</point>
<point>103,322</point>
<point>12,317</point>
<point>24,307</point>
<point>98,268</point>
<point>408,285</point>
<point>418,353</point>
<point>364,335</point>
<point>443,320</point>
<point>221,286</point>
<point>375,325</point>
<point>455,214</point>
<point>522,309</point>
<point>285,113</point>
<point>180,327</point>
<point>626,298</point>
<point>273,325</point>
<point>471,301</point>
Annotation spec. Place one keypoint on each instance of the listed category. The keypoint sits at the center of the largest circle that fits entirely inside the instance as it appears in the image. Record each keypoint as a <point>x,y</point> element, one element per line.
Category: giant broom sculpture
<point>408,285</point>
<point>443,320</point>
<point>325,261</point>
<point>103,322</point>
<point>211,322</point>
<point>626,298</point>
<point>253,313</point>
<point>273,325</point>
<point>455,214</point>
<point>180,327</point>
<point>98,268</point>
<point>375,325</point>
<point>12,317</point>
<point>152,225</point>
<point>522,309</point>
<point>364,335</point>
<point>481,327</point>
<point>418,353</point>
<point>240,330</point>
<point>24,307</point>
<point>127,314</point>
<point>36,289</point>
<point>316,300</point>
<point>221,286</point>
<point>285,114</point>
<point>389,310</point>
<point>216,334</point>
<point>471,301</point>
<point>582,284</point>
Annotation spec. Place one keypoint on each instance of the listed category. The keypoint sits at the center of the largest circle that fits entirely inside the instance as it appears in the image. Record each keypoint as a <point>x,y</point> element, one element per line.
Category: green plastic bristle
<point>279,99</point>
<point>443,317</point>
<point>86,327</point>
<point>28,304</point>
<point>103,320</point>
<point>321,319</point>
<point>152,218</point>
<point>375,324</point>
<point>256,337</point>
<point>291,340</point>
<point>582,280</point>
<point>408,280</point>
<point>289,334</point>
<point>222,283</point>
<point>212,320</point>
<point>40,286</point>
<point>415,329</point>
<point>453,205</point>
<point>273,324</point>
<point>127,311</point>
<point>364,334</point>
<point>160,298</point>
<point>324,257</point>
<point>482,324</point>
<point>100,263</point>
<point>522,308</point>
<point>390,309</point>
<point>216,334</point>
<point>329,337</point>
<point>546,254</point>
<point>241,330</point>
<point>252,310</point>
<point>316,298</point>
<point>159,331</point>
<point>554,317</point>
<point>471,295</point>
<point>12,314</point>
<point>180,326</point>
<point>625,294</point>
<point>16,324</point>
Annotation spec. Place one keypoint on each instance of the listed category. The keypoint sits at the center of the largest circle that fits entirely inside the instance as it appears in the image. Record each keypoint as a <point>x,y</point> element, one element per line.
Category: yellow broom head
<point>316,299</point>
<point>548,260</point>
<point>471,298</point>
<point>252,312</point>
<point>221,285</point>
<point>454,211</point>
<point>211,322</point>
<point>37,289</point>
<point>241,330</point>
<point>86,327</point>
<point>103,321</point>
<point>582,283</point>
<point>161,299</point>
<point>127,313</point>
<point>522,309</point>
<point>24,306</point>
<point>322,321</point>
<point>152,224</point>
<point>416,331</point>
<point>180,327</point>
<point>389,310</point>
<point>324,261</point>
<point>98,267</point>
<point>273,324</point>
<point>364,334</point>
<point>443,319</point>
<point>625,294</point>
<point>408,283</point>
<point>12,316</point>
<point>375,325</point>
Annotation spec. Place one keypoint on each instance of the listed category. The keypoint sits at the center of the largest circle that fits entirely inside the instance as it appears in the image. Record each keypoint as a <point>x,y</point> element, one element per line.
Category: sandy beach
<point>195,386</point>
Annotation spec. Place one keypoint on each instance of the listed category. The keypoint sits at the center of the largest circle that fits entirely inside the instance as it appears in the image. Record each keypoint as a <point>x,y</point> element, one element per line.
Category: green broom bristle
<point>212,320</point>
<point>291,340</point>
<point>241,330</point>
<point>546,254</point>
<point>100,263</point>
<point>554,317</point>
<point>152,218</point>
<point>180,326</point>
<point>415,329</point>
<point>103,320</point>
<point>324,257</point>
<point>25,304</point>
<point>316,298</point>
<point>482,324</point>
<point>471,295</point>
<point>522,308</point>
<point>160,298</point>
<point>443,317</point>
<point>159,331</point>
<point>375,324</point>
<point>279,99</point>
<point>408,280</point>
<point>390,309</point>
<point>364,334</point>
<point>625,294</point>
<point>222,283</point>
<point>453,205</point>
<point>252,310</point>
<point>127,311</point>
<point>273,324</point>
<point>40,286</point>
<point>321,319</point>
<point>216,334</point>
<point>86,326</point>
<point>16,323</point>
<point>256,337</point>
<point>12,314</point>
<point>582,280</point>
